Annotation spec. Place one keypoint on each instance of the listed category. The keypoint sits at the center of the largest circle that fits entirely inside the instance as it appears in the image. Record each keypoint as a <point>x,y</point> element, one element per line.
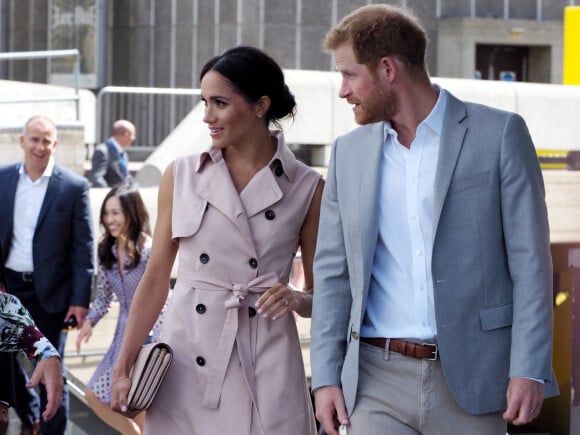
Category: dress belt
<point>27,277</point>
<point>407,348</point>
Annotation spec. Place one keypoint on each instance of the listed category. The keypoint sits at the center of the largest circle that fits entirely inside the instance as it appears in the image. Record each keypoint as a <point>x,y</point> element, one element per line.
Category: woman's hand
<point>277,301</point>
<point>119,393</point>
<point>85,333</point>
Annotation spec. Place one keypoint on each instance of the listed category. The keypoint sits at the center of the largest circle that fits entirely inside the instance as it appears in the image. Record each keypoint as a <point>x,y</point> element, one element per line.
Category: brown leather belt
<point>407,348</point>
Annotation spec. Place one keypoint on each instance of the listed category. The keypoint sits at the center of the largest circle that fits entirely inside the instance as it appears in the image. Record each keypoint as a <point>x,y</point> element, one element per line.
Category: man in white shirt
<point>432,309</point>
<point>47,244</point>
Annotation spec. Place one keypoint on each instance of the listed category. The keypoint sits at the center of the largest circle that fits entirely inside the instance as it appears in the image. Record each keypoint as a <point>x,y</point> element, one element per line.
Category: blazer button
<point>200,308</point>
<point>253,263</point>
<point>200,361</point>
<point>279,171</point>
<point>252,311</point>
<point>354,335</point>
<point>204,258</point>
<point>270,215</point>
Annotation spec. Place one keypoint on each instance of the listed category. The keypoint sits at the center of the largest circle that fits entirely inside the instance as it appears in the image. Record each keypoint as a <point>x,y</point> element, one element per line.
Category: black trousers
<point>7,384</point>
<point>26,401</point>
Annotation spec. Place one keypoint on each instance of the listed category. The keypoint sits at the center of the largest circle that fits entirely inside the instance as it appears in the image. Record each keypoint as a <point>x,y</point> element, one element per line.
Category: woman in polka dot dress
<point>123,253</point>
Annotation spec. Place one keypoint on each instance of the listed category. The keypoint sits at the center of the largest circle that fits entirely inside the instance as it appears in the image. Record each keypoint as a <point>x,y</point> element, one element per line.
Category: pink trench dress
<point>234,371</point>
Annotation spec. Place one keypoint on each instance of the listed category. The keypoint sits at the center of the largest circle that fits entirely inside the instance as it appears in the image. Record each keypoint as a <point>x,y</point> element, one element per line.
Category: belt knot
<point>240,291</point>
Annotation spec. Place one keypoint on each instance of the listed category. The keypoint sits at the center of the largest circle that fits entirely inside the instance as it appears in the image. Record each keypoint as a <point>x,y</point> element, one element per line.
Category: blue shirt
<point>400,301</point>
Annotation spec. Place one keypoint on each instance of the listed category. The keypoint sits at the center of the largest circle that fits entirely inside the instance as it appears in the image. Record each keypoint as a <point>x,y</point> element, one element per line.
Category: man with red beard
<point>432,309</point>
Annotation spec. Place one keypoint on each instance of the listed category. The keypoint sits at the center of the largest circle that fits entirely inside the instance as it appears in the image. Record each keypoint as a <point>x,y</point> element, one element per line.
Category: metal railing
<point>154,111</point>
<point>48,54</point>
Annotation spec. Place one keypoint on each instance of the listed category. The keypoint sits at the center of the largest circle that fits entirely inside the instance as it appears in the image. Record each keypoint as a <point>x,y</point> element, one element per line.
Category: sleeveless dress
<point>234,371</point>
<point>110,283</point>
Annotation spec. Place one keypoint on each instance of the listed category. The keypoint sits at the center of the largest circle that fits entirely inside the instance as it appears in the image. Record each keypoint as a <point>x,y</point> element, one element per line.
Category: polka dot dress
<point>111,284</point>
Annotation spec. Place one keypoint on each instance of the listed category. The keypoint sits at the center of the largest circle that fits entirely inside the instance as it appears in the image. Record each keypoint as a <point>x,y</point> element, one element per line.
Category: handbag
<point>147,374</point>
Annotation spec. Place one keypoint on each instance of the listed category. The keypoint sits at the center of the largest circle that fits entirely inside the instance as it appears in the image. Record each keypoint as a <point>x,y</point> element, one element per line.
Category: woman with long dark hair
<point>123,253</point>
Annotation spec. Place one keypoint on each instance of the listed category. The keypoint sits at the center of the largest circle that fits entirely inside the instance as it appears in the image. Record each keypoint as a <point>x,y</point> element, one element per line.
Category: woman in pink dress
<point>237,213</point>
<point>123,253</point>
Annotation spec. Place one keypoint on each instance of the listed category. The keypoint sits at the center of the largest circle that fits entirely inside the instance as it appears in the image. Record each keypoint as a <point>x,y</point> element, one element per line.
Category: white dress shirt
<point>400,301</point>
<point>27,203</point>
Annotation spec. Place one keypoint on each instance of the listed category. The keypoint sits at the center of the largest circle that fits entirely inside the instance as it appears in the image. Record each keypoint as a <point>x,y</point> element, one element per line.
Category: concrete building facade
<point>164,43</point>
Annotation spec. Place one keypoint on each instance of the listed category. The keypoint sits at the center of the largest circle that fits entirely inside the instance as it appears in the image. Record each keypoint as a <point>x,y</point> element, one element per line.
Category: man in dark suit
<point>110,160</point>
<point>47,243</point>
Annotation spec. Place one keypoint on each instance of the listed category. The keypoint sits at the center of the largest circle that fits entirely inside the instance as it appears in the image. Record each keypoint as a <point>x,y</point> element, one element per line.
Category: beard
<point>381,105</point>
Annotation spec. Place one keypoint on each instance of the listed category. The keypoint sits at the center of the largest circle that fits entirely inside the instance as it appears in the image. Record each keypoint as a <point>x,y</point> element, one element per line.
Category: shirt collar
<point>282,157</point>
<point>47,171</point>
<point>119,148</point>
<point>435,118</point>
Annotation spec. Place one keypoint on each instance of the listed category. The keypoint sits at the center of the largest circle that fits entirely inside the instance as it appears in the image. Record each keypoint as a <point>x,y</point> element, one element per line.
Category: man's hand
<point>49,372</point>
<point>78,312</point>
<point>330,409</point>
<point>524,398</point>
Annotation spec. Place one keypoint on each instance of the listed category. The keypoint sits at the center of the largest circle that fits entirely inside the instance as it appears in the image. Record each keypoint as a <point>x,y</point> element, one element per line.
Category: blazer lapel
<point>218,189</point>
<point>9,198</point>
<point>262,191</point>
<point>12,183</point>
<point>370,146</point>
<point>451,142</point>
<point>51,191</point>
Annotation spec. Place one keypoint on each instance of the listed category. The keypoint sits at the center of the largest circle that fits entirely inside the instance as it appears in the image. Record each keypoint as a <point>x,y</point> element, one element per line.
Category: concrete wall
<point>72,134</point>
<point>551,112</point>
<point>15,114</point>
<point>165,43</point>
<point>458,38</point>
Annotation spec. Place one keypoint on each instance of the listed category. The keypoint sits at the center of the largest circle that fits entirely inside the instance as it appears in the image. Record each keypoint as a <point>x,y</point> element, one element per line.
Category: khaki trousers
<point>399,395</point>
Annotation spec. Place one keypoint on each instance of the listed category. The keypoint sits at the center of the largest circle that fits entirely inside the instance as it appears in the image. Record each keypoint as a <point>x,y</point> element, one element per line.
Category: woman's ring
<point>284,302</point>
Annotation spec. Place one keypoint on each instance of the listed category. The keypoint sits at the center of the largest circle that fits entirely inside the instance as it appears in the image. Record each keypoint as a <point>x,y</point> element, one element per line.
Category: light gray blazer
<point>491,265</point>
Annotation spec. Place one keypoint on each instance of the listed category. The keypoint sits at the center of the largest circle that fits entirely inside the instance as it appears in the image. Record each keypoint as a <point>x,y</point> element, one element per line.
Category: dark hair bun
<point>283,105</point>
<point>255,74</point>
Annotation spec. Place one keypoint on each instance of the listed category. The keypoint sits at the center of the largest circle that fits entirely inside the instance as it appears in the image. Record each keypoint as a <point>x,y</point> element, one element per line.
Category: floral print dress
<point>18,331</point>
<point>111,283</point>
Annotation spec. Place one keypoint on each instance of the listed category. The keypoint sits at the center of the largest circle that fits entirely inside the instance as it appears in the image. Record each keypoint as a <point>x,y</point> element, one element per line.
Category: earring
<point>259,115</point>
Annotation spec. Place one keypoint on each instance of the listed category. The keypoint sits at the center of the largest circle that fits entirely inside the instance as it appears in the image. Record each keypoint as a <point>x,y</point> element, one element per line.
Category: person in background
<point>47,243</point>
<point>123,253</point>
<point>237,213</point>
<point>110,162</point>
<point>19,333</point>
<point>432,307</point>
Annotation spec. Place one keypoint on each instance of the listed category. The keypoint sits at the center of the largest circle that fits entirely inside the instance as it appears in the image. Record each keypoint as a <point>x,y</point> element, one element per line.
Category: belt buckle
<point>435,351</point>
<point>27,277</point>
